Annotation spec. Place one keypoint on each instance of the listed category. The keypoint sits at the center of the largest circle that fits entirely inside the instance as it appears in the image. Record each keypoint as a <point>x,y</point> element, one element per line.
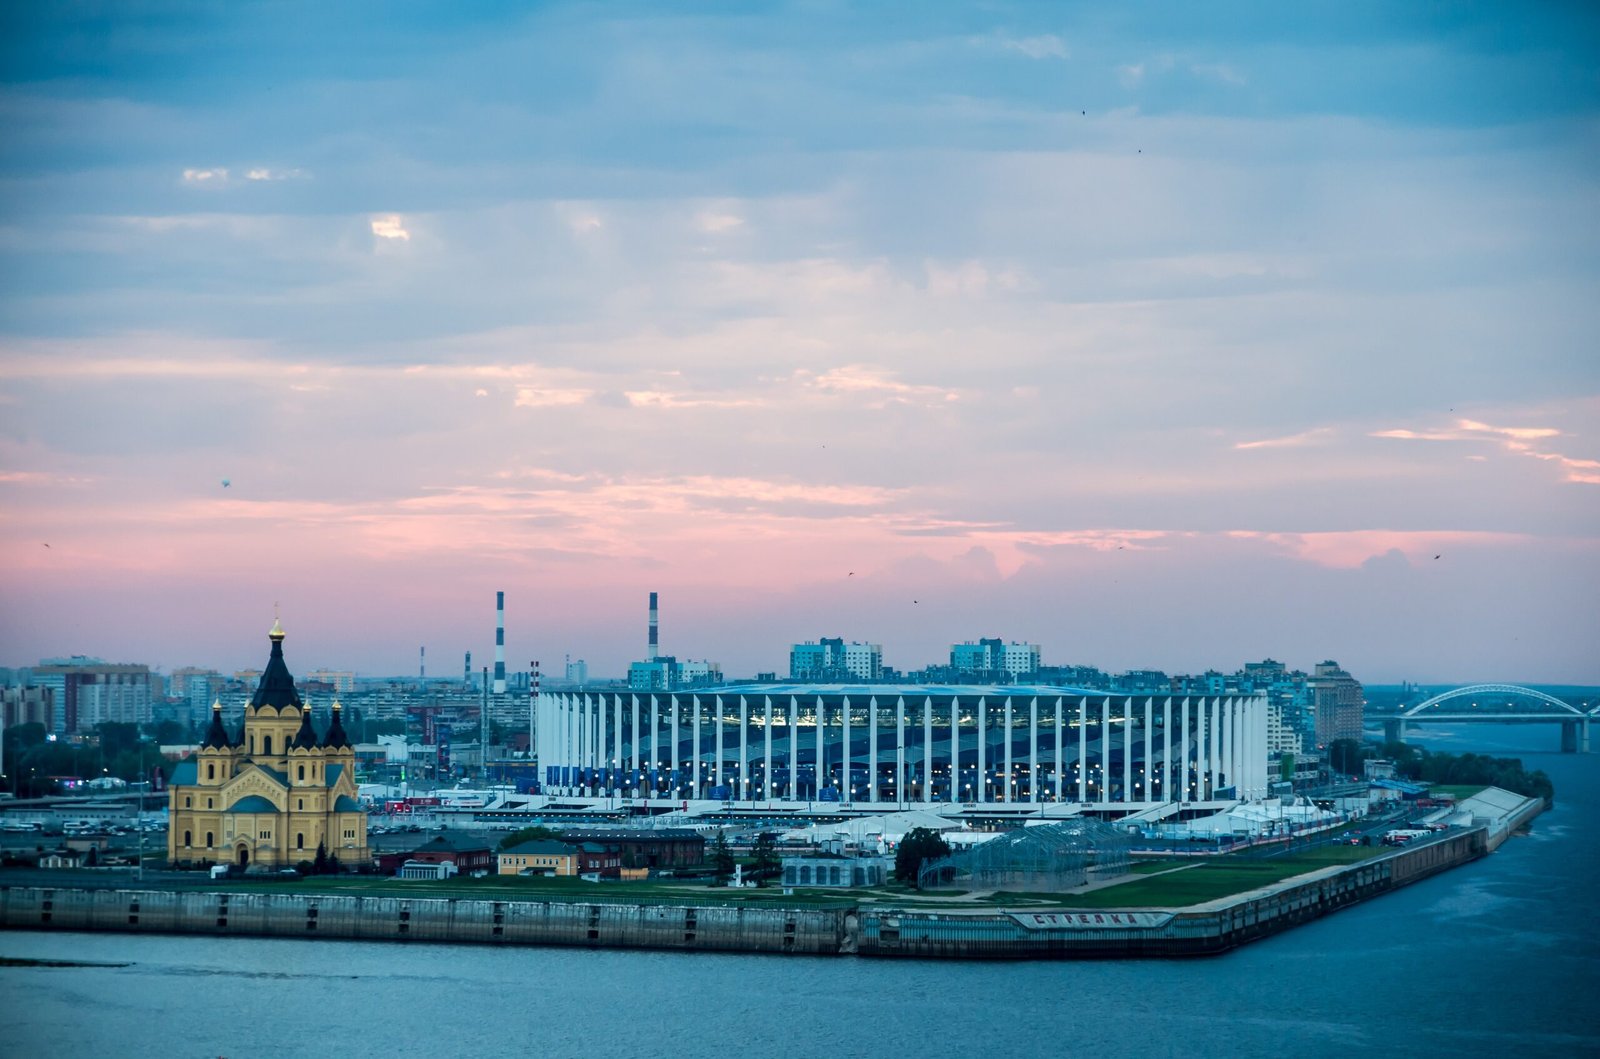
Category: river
<point>1497,958</point>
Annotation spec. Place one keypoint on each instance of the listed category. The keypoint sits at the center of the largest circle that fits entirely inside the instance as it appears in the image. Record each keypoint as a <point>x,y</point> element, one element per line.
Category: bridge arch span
<point>1492,689</point>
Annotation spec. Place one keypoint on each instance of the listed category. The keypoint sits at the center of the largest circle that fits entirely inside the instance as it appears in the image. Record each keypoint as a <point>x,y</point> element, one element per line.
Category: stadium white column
<point>822,749</point>
<point>1258,753</point>
<point>872,749</point>
<point>1235,746</point>
<point>742,789</point>
<point>766,752</point>
<point>927,748</point>
<point>1212,732</point>
<point>983,764</point>
<point>1105,749</point>
<point>1183,752</point>
<point>1146,784</point>
<point>653,772</point>
<point>900,750</point>
<point>1061,718</point>
<point>694,746</point>
<point>1009,781</point>
<point>718,776</point>
<point>1127,749</point>
<point>1224,743</point>
<point>1033,748</point>
<point>580,719</point>
<point>845,792</point>
<point>1083,748</point>
<point>672,751</point>
<point>614,762</point>
<point>955,749</point>
<point>637,780</point>
<point>1166,753</point>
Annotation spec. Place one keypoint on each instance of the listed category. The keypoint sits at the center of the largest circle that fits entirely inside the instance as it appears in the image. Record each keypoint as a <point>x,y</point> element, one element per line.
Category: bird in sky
<point>47,544</point>
<point>852,573</point>
<point>1436,557</point>
<point>226,482</point>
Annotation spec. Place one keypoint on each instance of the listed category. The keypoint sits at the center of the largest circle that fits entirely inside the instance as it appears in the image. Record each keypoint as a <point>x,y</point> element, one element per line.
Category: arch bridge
<point>1546,709</point>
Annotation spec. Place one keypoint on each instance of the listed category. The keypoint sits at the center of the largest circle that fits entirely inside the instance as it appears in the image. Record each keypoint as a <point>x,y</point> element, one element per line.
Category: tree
<point>1345,756</point>
<point>167,732</point>
<point>920,845</point>
<point>115,737</point>
<point>528,834</point>
<point>320,865</point>
<point>1286,766</point>
<point>765,864</point>
<point>722,859</point>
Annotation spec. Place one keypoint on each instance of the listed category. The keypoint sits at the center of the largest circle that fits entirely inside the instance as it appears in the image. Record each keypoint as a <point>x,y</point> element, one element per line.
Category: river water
<point>1497,958</point>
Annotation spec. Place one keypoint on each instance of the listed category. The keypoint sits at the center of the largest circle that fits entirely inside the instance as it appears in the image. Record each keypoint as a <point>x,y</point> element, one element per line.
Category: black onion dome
<point>306,737</point>
<point>336,739</point>
<point>216,735</point>
<point>277,686</point>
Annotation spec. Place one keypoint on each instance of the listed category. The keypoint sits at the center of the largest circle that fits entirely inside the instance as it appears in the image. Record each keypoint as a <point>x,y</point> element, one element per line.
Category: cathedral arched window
<point>266,745</point>
<point>209,843</point>
<point>299,841</point>
<point>188,838</point>
<point>211,772</point>
<point>302,773</point>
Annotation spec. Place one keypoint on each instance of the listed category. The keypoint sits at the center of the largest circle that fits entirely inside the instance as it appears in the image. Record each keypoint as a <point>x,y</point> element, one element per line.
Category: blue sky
<point>1168,335</point>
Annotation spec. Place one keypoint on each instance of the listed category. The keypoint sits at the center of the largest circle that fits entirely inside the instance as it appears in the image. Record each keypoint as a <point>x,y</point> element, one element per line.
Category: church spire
<point>277,686</point>
<point>336,739</point>
<point>216,736</point>
<point>306,737</point>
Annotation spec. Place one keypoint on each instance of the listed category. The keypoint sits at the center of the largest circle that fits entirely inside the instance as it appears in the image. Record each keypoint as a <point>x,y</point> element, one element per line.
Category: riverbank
<point>1104,927</point>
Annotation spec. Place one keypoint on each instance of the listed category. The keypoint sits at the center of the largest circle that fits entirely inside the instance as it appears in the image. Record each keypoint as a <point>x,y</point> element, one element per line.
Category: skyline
<point>1169,342</point>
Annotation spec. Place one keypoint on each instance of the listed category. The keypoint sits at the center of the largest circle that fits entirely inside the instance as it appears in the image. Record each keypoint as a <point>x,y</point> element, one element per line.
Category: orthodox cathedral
<point>271,795</point>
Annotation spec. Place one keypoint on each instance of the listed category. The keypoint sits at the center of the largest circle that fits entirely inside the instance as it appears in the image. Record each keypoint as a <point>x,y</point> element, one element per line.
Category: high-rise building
<point>578,672</point>
<point>1338,703</point>
<point>88,692</point>
<point>832,659</point>
<point>343,681</point>
<point>26,706</point>
<point>994,659</point>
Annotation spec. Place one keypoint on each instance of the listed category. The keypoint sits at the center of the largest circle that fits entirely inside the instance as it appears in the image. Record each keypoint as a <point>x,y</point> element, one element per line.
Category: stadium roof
<point>865,690</point>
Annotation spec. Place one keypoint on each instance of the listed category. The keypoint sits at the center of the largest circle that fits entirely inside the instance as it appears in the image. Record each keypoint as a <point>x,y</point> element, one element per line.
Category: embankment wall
<point>598,925</point>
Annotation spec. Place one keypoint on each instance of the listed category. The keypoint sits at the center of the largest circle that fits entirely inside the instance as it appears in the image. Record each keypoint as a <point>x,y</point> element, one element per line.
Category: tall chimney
<point>651,654</point>
<point>466,671</point>
<point>422,663</point>
<point>499,643</point>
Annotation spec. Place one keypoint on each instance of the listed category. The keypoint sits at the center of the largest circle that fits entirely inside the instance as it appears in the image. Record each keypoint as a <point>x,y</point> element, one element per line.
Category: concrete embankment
<point>598,925</point>
<point>1032,934</point>
<point>1198,931</point>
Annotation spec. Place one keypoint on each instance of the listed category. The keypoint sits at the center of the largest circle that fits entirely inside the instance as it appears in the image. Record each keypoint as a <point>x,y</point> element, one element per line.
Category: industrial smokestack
<point>651,653</point>
<point>422,663</point>
<point>466,671</point>
<point>499,643</point>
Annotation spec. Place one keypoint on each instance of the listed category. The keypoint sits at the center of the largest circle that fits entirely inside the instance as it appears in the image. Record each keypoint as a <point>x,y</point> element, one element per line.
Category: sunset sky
<point>1165,336</point>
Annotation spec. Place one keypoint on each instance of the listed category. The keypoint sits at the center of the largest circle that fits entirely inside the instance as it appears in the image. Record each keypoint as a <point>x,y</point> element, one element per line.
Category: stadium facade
<point>872,743</point>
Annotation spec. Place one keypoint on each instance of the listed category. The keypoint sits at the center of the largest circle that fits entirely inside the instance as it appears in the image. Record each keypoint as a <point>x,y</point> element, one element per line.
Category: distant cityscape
<point>468,721</point>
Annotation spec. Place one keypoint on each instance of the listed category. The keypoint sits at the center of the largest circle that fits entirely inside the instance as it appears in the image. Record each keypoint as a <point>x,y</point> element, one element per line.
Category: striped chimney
<point>651,655</point>
<point>499,643</point>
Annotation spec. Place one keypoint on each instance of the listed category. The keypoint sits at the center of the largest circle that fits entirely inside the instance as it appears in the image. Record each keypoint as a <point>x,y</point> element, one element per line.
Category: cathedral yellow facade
<point>270,796</point>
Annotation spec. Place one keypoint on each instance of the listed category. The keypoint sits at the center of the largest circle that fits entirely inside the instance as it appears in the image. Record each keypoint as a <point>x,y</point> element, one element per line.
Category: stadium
<point>896,744</point>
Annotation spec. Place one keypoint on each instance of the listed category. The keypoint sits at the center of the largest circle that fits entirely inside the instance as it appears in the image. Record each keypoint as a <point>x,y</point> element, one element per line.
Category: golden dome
<point>277,630</point>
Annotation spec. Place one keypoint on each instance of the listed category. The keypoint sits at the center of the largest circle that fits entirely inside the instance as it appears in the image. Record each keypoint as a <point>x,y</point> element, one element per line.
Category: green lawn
<point>510,888</point>
<point>1213,879</point>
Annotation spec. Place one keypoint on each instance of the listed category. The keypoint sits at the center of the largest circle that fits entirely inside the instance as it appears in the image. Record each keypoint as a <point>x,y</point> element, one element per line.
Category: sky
<point>1163,336</point>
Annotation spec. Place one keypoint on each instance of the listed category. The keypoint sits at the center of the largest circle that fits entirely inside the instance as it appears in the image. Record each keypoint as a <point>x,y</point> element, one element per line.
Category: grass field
<point>1213,879</point>
<point>510,888</point>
